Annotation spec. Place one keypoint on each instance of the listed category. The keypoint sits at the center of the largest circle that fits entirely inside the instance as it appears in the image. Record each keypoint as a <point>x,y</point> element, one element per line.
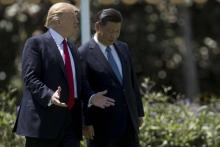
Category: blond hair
<point>55,13</point>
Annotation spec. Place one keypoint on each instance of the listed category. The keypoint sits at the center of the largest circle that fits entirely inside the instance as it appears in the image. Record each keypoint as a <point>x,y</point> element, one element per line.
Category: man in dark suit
<point>107,65</point>
<point>50,110</point>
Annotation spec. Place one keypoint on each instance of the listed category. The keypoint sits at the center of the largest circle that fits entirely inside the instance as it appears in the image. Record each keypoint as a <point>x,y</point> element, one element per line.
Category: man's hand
<point>99,100</point>
<point>55,99</point>
<point>88,132</point>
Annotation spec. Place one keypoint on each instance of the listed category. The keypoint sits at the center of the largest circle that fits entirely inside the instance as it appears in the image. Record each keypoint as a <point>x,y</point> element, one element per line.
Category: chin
<point>110,41</point>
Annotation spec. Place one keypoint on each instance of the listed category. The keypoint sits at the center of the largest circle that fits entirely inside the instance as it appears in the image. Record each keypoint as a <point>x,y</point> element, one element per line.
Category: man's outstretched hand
<point>55,99</point>
<point>101,101</point>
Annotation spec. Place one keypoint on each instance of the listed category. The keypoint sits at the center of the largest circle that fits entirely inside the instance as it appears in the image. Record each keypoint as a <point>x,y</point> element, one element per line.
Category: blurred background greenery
<point>176,52</point>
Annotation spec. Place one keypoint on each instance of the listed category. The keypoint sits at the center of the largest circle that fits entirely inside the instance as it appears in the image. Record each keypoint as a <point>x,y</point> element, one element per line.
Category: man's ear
<point>97,26</point>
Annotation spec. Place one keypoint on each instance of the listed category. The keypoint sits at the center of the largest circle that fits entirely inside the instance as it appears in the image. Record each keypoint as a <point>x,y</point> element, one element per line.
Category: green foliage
<point>179,124</point>
<point>166,124</point>
<point>83,143</point>
<point>7,118</point>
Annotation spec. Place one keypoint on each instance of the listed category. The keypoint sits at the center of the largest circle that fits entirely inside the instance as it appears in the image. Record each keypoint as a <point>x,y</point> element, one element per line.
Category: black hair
<point>108,15</point>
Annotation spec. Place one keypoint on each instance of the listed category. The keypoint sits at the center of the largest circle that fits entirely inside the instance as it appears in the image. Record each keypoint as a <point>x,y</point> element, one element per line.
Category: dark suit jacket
<point>43,71</point>
<point>111,121</point>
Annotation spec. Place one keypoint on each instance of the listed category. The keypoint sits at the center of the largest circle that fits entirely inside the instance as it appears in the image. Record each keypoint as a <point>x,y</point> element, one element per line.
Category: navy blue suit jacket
<point>43,71</point>
<point>109,122</point>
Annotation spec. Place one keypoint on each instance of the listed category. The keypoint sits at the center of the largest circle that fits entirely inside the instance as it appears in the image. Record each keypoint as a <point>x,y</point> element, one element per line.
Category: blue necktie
<point>113,64</point>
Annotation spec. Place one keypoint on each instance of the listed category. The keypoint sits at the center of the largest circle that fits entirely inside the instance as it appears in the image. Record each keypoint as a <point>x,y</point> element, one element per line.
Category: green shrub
<point>166,124</point>
<point>179,124</point>
<point>7,118</point>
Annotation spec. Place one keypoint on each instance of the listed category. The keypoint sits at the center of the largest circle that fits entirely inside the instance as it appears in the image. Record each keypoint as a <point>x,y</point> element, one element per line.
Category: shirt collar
<point>56,36</point>
<point>102,46</point>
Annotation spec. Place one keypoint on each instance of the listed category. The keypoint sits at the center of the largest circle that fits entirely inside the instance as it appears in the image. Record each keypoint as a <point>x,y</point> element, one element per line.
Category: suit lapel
<point>59,58</point>
<point>56,52</point>
<point>97,53</point>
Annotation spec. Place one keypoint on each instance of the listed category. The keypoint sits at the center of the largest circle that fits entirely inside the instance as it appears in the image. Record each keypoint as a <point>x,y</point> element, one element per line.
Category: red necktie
<point>68,68</point>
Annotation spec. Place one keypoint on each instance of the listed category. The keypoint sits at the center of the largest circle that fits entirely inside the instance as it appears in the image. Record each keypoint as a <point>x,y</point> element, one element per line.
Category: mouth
<point>111,41</point>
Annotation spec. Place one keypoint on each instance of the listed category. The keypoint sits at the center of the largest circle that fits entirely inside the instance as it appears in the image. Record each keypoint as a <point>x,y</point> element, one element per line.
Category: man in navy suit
<point>107,66</point>
<point>50,110</point>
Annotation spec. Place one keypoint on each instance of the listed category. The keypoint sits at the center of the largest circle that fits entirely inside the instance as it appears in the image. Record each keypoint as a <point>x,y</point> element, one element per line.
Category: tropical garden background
<point>176,52</point>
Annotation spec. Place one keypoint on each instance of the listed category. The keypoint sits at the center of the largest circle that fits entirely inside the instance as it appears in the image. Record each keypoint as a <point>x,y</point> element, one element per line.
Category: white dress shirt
<point>59,42</point>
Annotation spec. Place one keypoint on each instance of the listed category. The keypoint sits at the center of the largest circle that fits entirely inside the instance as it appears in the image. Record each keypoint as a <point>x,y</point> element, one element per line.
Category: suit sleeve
<point>136,87</point>
<point>32,73</point>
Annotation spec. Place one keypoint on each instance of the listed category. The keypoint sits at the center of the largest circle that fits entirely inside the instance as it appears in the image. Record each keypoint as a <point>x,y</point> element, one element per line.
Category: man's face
<point>70,24</point>
<point>109,33</point>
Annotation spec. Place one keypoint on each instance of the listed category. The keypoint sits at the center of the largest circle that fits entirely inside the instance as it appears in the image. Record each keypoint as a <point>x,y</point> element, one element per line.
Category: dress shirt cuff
<point>49,103</point>
<point>90,103</point>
